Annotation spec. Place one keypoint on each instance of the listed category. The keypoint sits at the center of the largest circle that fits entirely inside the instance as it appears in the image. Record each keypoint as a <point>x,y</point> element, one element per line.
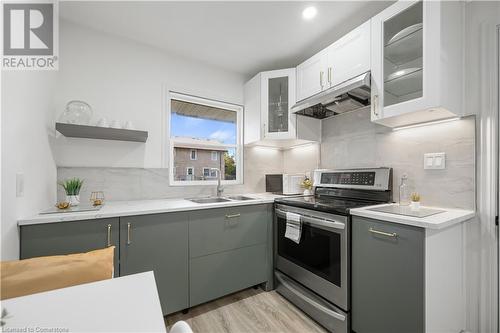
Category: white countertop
<point>449,217</point>
<point>124,304</point>
<point>143,207</point>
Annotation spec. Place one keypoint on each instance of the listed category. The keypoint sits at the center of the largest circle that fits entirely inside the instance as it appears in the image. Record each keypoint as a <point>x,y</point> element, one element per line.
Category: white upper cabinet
<point>269,121</point>
<point>311,76</point>
<point>416,53</point>
<point>346,58</point>
<point>349,56</point>
<point>268,99</point>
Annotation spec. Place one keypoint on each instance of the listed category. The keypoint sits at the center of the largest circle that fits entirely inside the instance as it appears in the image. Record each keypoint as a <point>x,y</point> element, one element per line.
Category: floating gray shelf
<point>103,133</point>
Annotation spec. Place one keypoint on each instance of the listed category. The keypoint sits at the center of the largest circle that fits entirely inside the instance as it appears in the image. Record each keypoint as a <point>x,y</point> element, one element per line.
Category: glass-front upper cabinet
<point>269,97</point>
<point>278,96</point>
<point>403,55</point>
<point>277,105</point>
<point>417,62</point>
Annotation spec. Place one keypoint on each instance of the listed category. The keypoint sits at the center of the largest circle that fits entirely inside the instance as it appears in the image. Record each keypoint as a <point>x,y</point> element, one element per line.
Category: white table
<point>124,304</point>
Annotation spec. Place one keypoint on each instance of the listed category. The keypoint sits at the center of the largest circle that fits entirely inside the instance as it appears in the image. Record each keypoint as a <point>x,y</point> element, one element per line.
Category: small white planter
<point>415,205</point>
<point>307,192</point>
<point>74,200</point>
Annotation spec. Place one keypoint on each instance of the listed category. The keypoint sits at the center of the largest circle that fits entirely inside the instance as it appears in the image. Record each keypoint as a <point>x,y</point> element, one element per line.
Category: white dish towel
<point>293,227</point>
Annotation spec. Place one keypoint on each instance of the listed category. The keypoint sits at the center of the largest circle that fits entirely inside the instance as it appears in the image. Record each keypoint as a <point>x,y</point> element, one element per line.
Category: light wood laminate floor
<point>251,310</point>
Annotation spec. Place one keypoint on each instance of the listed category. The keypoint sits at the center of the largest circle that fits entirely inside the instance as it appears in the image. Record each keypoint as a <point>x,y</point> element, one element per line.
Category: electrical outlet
<point>435,161</point>
<point>19,185</point>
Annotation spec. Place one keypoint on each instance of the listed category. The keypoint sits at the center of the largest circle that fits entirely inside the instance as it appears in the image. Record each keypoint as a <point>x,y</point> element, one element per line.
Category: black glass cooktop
<point>335,205</point>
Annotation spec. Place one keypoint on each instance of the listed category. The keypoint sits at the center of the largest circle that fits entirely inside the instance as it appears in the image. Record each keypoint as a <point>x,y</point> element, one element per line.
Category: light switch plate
<point>19,185</point>
<point>435,161</point>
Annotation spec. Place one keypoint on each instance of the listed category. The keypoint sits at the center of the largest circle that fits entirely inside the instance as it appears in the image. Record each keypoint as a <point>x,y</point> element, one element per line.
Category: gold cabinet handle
<point>109,235</point>
<point>383,233</point>
<point>232,216</point>
<point>129,241</point>
<point>330,75</point>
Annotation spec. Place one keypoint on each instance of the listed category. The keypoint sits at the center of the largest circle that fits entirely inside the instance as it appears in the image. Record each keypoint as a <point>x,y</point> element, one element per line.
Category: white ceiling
<point>243,37</point>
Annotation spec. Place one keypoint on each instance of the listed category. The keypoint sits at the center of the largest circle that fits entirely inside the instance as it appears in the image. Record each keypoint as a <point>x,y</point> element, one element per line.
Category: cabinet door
<point>387,277</point>
<point>349,56</point>
<point>158,243</point>
<point>70,237</point>
<point>277,98</point>
<point>311,76</point>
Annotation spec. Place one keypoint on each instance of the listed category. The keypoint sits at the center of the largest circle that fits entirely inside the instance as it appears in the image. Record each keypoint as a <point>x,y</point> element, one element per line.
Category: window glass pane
<point>204,138</point>
<point>203,122</point>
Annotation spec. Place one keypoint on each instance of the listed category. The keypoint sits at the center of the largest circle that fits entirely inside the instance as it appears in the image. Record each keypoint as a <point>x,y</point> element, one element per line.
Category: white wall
<point>27,130</point>
<point>481,98</point>
<point>123,80</point>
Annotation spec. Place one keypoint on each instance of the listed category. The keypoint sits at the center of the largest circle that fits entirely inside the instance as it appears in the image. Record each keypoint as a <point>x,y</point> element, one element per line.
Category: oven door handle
<point>311,301</point>
<point>315,221</point>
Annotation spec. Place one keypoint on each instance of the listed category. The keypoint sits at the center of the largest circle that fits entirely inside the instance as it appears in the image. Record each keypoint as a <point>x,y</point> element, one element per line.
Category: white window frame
<point>191,154</point>
<point>169,145</point>
<point>215,170</point>
<point>204,168</point>
<point>216,153</point>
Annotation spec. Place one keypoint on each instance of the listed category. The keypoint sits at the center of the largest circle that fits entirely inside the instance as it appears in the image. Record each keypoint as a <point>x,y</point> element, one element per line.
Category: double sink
<point>220,199</point>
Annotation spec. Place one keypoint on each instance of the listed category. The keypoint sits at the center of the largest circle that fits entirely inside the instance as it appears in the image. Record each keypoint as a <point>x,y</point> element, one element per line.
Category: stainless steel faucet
<point>220,188</point>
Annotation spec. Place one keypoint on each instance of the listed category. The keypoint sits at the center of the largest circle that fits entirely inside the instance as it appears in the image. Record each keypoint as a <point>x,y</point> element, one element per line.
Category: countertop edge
<point>457,216</point>
<point>92,215</point>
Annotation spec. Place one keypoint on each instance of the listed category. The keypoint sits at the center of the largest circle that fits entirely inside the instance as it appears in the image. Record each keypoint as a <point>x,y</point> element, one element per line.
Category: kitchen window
<point>204,136</point>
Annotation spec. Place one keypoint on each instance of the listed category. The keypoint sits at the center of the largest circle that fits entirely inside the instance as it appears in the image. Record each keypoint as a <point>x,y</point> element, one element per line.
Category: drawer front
<point>223,273</point>
<point>217,230</point>
<point>387,277</point>
<point>60,238</point>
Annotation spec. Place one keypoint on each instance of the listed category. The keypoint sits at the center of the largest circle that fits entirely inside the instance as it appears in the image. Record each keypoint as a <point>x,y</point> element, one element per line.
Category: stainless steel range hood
<point>344,97</point>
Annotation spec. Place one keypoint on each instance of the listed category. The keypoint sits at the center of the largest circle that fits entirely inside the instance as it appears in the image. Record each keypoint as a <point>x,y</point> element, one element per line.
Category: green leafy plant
<point>72,186</point>
<point>415,197</point>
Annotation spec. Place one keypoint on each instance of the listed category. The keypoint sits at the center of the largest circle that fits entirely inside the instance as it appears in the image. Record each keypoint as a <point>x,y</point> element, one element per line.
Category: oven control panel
<point>348,178</point>
<point>374,179</point>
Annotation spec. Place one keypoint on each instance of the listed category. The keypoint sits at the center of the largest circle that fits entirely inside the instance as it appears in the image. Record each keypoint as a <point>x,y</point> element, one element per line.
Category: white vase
<point>415,205</point>
<point>73,200</point>
<point>307,192</point>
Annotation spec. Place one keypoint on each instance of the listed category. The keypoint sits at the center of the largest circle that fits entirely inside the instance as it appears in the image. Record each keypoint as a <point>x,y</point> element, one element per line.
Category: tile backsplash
<point>352,141</point>
<point>152,183</point>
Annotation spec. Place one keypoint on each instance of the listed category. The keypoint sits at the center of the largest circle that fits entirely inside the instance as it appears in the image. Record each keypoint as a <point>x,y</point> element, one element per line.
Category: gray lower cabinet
<point>229,250</point>
<point>69,237</point>
<point>196,256</point>
<point>387,277</point>
<point>159,243</point>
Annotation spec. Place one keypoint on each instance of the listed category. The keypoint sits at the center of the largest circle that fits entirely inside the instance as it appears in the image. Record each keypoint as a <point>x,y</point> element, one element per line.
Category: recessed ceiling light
<point>309,13</point>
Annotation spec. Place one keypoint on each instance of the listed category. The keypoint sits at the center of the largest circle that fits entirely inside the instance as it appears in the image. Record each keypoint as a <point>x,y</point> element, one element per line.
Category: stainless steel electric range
<point>314,273</point>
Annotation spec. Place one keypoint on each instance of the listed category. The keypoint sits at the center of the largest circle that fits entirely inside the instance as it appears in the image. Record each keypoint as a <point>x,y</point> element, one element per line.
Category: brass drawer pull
<point>388,234</point>
<point>232,216</point>
<point>109,235</point>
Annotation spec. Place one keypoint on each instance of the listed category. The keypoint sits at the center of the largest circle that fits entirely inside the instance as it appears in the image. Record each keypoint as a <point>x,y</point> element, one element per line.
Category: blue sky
<point>223,132</point>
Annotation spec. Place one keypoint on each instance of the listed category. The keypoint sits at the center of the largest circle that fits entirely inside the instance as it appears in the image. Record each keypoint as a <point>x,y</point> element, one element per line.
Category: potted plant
<point>72,188</point>
<point>307,186</point>
<point>415,201</point>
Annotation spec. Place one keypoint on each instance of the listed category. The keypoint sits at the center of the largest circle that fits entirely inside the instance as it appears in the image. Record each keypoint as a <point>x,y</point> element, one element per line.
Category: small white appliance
<point>286,184</point>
